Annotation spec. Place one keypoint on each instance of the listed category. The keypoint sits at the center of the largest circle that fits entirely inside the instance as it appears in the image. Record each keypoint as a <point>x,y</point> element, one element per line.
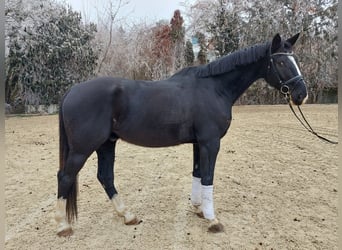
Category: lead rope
<point>307,126</point>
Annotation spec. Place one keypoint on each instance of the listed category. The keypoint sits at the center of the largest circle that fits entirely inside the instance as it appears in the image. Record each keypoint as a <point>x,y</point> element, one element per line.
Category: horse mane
<point>229,62</point>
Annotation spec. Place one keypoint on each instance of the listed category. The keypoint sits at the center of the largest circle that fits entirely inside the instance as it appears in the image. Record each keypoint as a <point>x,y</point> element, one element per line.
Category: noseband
<point>284,86</point>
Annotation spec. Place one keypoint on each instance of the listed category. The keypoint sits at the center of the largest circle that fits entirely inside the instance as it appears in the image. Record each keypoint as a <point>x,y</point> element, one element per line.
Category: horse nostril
<point>301,99</point>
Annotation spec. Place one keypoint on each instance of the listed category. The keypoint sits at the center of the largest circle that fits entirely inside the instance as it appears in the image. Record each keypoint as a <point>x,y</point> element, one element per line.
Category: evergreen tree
<point>202,54</point>
<point>177,34</point>
<point>48,49</point>
<point>189,54</point>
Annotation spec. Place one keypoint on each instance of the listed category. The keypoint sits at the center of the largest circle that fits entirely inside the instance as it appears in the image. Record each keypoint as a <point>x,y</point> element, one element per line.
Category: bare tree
<point>106,20</point>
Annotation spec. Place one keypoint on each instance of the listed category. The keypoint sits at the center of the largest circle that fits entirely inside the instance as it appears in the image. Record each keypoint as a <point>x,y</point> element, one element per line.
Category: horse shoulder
<point>213,112</point>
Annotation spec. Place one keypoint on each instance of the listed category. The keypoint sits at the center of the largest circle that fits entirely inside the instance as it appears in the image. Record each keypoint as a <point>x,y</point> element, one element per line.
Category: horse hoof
<point>66,232</point>
<point>200,215</point>
<point>198,211</point>
<point>216,228</point>
<point>134,221</point>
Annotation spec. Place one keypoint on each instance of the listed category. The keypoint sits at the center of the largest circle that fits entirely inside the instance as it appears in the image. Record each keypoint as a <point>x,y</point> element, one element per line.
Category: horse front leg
<point>208,151</point>
<point>196,195</point>
<point>105,156</point>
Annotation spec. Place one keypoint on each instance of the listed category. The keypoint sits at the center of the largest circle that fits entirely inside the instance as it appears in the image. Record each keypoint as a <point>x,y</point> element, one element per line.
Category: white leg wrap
<point>60,215</point>
<point>208,202</point>
<point>120,208</point>
<point>196,198</point>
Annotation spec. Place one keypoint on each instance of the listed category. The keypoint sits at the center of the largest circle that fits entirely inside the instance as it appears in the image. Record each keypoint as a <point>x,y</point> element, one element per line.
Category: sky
<point>136,10</point>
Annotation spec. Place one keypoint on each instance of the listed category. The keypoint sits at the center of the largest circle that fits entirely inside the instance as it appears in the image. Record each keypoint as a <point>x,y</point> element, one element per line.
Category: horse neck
<point>236,82</point>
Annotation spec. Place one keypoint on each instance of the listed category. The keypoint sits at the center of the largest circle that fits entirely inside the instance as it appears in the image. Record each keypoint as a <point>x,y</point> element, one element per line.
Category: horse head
<point>283,71</point>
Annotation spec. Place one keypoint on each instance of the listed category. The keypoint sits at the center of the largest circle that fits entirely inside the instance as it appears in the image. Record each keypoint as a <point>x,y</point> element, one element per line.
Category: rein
<point>307,125</point>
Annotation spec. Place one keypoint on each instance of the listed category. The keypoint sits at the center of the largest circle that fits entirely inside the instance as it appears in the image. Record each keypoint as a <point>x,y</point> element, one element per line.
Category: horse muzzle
<point>298,94</point>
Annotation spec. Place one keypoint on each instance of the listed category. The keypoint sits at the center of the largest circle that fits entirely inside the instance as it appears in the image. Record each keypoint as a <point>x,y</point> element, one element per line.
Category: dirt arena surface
<point>275,188</point>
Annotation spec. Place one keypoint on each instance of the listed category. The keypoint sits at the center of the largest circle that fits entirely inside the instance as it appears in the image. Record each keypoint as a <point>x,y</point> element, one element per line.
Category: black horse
<point>192,106</point>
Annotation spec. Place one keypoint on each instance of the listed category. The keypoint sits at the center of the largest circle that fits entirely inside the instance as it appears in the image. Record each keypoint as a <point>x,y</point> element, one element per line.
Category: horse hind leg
<point>66,207</point>
<point>106,155</point>
<point>120,208</point>
<point>63,227</point>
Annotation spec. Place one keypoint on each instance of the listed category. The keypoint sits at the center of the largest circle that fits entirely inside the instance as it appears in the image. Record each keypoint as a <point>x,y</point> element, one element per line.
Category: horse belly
<point>157,136</point>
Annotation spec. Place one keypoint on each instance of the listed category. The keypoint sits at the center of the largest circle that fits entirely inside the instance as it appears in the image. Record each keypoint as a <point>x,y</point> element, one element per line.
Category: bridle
<point>284,86</point>
<point>285,90</point>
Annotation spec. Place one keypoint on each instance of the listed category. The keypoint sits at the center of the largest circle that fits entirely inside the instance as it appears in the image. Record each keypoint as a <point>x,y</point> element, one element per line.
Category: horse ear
<point>293,39</point>
<point>276,43</point>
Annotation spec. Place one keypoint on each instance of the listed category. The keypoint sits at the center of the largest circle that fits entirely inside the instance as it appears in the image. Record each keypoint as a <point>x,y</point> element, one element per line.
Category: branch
<point>112,14</point>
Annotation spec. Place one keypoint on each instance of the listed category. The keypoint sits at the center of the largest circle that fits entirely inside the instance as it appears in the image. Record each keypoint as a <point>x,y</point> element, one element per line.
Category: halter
<point>284,86</point>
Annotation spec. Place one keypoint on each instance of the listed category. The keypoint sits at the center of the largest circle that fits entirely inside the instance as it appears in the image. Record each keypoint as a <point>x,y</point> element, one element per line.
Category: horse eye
<point>281,63</point>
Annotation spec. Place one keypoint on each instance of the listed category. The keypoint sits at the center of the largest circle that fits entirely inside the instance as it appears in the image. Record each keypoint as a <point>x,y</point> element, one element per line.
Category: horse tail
<point>71,199</point>
<point>63,141</point>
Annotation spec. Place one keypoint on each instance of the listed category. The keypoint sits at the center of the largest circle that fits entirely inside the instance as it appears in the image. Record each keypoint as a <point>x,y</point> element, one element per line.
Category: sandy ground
<point>275,188</point>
